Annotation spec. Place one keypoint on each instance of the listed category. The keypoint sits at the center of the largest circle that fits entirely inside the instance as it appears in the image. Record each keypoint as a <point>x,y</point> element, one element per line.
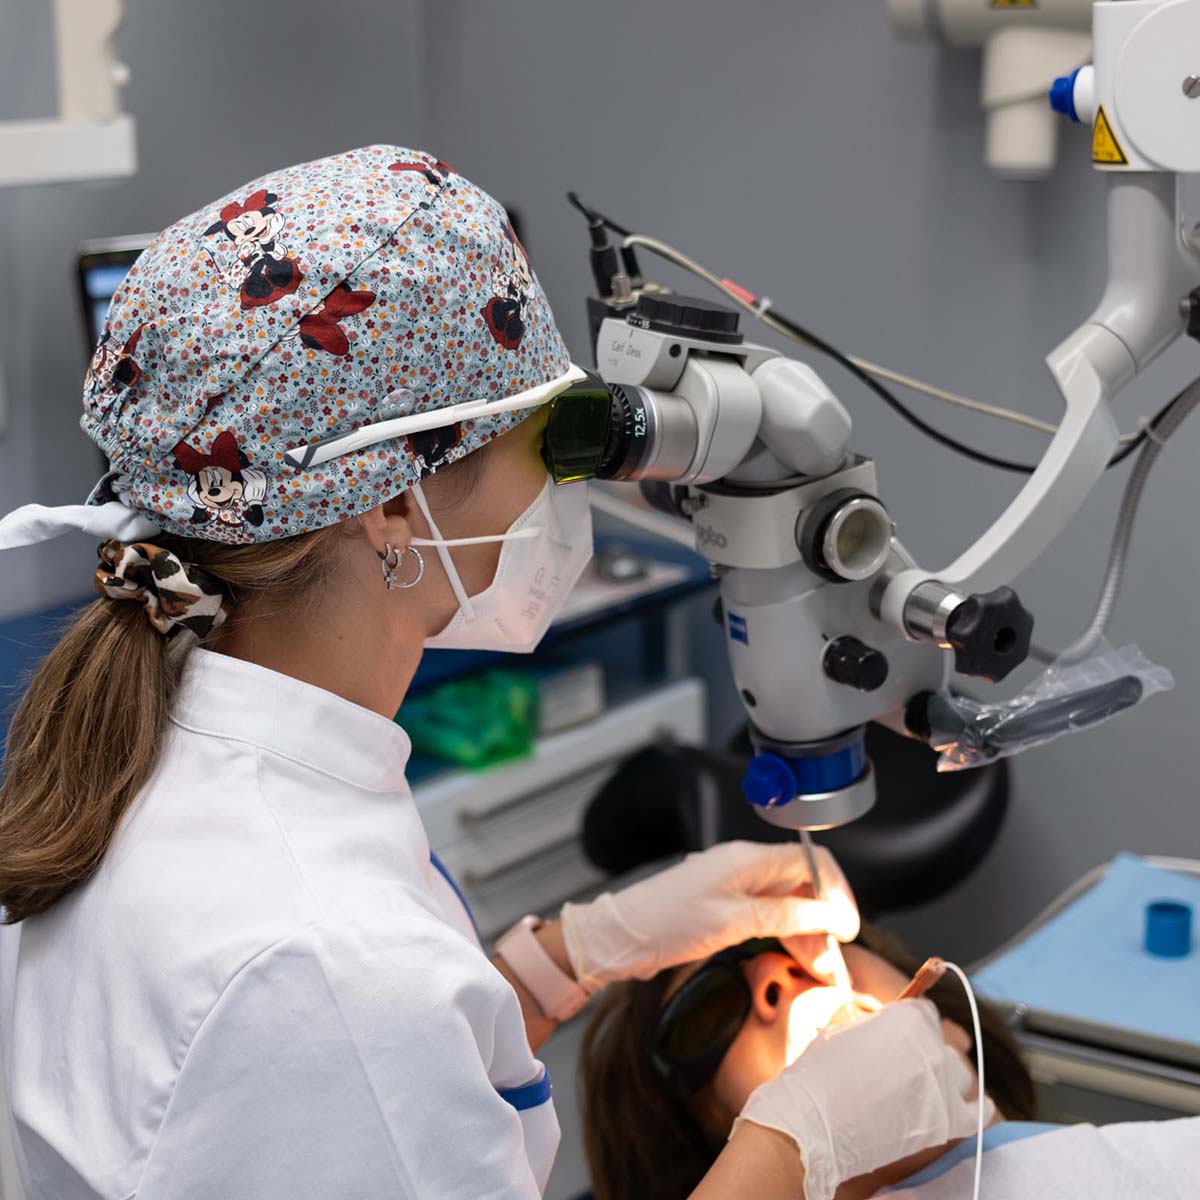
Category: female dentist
<point>230,964</point>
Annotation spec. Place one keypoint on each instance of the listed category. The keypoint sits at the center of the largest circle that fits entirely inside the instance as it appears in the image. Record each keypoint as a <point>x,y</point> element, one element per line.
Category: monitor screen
<point>101,267</point>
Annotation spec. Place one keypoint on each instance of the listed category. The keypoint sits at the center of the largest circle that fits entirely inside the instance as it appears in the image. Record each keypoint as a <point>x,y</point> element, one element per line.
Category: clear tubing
<point>1122,536</point>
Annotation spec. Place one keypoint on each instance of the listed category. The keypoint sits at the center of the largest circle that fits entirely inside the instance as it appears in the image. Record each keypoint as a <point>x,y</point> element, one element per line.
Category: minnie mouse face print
<point>223,487</point>
<point>254,226</point>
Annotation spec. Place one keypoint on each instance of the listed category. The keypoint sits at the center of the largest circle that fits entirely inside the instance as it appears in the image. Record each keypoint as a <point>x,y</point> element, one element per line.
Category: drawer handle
<point>591,777</point>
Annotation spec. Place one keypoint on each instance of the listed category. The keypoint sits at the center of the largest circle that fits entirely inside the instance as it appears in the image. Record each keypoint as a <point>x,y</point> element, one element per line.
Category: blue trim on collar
<point>997,1135</point>
<point>529,1095</point>
<point>440,867</point>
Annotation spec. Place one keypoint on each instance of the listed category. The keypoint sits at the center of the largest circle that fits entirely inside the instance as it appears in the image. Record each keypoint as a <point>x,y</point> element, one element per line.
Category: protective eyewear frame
<point>322,450</point>
<point>579,431</point>
<point>687,1073</point>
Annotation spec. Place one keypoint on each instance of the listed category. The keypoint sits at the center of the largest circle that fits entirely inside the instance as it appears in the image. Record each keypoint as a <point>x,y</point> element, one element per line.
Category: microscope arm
<point>1151,270</point>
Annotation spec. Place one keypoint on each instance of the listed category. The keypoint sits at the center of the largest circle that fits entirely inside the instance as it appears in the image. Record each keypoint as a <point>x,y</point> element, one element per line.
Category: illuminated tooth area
<point>811,1011</point>
<point>819,1008</point>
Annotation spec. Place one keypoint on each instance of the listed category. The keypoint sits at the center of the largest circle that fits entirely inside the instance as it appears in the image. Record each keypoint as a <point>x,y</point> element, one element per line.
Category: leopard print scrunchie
<point>182,602</point>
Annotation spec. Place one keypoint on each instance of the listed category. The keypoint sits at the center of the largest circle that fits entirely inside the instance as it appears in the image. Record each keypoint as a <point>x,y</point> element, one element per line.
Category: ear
<point>389,524</point>
<point>775,981</point>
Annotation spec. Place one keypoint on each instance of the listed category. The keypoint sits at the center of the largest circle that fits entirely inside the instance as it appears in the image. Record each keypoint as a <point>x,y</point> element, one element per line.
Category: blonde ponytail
<point>89,730</point>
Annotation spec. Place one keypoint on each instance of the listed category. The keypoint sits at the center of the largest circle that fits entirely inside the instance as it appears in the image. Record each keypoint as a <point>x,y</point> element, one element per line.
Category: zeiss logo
<point>706,535</point>
<point>737,629</point>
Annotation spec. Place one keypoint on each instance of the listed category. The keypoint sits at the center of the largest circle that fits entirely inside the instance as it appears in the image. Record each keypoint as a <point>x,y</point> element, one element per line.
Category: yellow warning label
<point>1105,147</point>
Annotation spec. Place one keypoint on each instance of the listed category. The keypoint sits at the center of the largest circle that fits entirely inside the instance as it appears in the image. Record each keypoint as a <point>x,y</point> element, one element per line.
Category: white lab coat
<point>268,990</point>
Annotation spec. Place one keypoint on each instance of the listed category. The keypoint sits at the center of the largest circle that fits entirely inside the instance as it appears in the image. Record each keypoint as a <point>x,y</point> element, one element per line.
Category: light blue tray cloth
<point>1088,961</point>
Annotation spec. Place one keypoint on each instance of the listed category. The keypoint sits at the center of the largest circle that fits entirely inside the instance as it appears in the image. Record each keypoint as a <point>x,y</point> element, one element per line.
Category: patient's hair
<point>643,1140</point>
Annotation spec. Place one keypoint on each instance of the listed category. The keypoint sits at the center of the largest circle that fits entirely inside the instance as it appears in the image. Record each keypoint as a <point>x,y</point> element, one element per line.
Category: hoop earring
<point>390,560</point>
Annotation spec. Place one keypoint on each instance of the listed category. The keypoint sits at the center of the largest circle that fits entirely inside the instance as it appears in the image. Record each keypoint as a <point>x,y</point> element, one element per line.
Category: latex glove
<point>711,900</point>
<point>867,1094</point>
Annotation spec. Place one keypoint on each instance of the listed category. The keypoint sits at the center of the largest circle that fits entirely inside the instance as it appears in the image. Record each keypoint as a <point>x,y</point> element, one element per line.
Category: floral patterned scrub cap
<point>373,284</point>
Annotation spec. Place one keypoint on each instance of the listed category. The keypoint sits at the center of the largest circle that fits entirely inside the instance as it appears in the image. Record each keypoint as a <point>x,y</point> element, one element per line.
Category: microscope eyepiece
<point>609,431</point>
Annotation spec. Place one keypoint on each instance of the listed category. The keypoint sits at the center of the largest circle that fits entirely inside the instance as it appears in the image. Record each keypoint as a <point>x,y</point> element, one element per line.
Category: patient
<point>666,1067</point>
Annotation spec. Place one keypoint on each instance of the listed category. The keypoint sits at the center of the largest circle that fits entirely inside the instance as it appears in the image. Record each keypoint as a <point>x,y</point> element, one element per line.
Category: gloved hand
<point>711,900</point>
<point>867,1094</point>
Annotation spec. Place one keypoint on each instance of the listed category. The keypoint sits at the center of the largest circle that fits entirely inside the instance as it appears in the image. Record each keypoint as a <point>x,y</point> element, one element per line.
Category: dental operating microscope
<point>830,623</point>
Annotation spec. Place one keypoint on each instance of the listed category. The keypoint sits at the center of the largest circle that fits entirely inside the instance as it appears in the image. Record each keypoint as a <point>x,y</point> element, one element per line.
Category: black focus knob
<point>857,665</point>
<point>686,316</point>
<point>990,634</point>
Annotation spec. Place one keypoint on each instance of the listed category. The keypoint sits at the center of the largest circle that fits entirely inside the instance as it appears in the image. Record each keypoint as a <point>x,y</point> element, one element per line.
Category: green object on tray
<point>474,722</point>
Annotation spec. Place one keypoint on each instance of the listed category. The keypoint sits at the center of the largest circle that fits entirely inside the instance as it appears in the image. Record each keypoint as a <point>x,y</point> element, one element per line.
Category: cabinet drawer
<point>510,835</point>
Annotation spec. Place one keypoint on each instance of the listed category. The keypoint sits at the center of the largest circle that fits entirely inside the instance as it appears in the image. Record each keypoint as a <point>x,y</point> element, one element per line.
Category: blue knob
<point>1062,95</point>
<point>1168,929</point>
<point>769,781</point>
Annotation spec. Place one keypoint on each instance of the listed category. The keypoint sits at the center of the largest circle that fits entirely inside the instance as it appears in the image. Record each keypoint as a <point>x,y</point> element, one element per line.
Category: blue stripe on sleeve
<point>529,1095</point>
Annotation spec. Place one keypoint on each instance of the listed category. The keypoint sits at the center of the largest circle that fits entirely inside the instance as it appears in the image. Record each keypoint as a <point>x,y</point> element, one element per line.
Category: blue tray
<point>1087,964</point>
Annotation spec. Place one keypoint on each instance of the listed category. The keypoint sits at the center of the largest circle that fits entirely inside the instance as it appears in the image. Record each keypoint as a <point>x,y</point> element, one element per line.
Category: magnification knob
<point>854,663</point>
<point>686,316</point>
<point>990,634</point>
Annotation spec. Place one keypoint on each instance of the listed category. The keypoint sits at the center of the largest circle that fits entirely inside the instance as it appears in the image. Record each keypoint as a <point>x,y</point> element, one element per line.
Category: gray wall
<point>801,148</point>
<point>222,92</point>
<point>797,146</point>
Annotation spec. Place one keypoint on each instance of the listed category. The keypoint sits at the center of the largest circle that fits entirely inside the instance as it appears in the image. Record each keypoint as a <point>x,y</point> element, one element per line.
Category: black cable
<point>1138,442</point>
<point>629,259</point>
<point>574,201</point>
<point>1131,447</point>
<point>1152,425</point>
<point>889,397</point>
<point>592,215</point>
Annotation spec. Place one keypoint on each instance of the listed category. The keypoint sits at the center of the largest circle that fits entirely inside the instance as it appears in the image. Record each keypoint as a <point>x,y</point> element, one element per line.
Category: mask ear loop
<point>440,544</point>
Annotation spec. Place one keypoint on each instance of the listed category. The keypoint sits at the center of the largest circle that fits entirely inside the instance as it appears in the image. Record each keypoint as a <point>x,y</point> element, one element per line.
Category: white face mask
<point>545,551</point>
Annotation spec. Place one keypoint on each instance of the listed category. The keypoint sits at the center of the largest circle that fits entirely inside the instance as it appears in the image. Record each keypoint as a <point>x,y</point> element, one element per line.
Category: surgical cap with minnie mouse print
<point>316,299</point>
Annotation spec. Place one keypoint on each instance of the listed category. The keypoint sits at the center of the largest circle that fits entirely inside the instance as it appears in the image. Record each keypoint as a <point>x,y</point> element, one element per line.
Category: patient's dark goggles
<point>699,1023</point>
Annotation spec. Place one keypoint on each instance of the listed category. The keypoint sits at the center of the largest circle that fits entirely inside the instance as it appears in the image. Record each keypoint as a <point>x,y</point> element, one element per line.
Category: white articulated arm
<point>1075,459</point>
<point>90,137</point>
<point>1151,270</point>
